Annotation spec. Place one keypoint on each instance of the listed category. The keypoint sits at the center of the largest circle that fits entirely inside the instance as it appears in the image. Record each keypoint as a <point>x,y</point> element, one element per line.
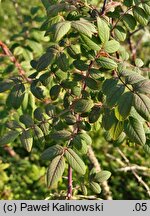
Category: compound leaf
<point>111,46</point>
<point>124,106</point>
<point>102,176</point>
<point>9,137</point>
<point>75,161</point>
<point>135,131</point>
<point>27,139</point>
<point>103,30</point>
<point>55,170</point>
<point>52,152</point>
<point>142,105</point>
<point>60,30</point>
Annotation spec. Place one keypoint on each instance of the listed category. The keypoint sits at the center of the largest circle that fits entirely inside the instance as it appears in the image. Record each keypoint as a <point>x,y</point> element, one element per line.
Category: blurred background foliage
<point>22,174</point>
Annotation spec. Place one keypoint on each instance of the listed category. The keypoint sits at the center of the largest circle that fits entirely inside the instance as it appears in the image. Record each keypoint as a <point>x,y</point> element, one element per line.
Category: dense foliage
<point>75,93</point>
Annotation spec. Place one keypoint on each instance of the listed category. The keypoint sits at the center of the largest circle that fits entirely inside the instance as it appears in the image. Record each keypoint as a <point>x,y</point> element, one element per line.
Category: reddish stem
<point>69,194</point>
<point>103,8</point>
<point>87,74</point>
<point>8,53</point>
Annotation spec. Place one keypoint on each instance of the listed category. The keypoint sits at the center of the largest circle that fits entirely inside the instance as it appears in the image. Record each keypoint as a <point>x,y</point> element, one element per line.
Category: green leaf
<point>27,139</point>
<point>73,51</point>
<point>45,128</point>
<point>38,134</point>
<point>50,22</point>
<point>92,173</point>
<point>52,152</point>
<point>114,95</point>
<point>94,114</point>
<point>84,125</point>
<point>142,105</point>
<point>70,119</point>
<point>111,46</point>
<point>108,84</point>
<point>128,3</point>
<point>146,147</point>
<point>62,134</point>
<point>54,92</point>
<point>26,120</point>
<point>103,30</point>
<point>95,73</point>
<point>123,72</point>
<point>135,131</point>
<point>116,130</point>
<point>129,21</point>
<point>90,43</point>
<point>82,105</point>
<point>16,95</point>
<point>95,187</point>
<point>133,77</point>
<point>13,124</point>
<point>18,51</point>
<point>45,3</point>
<point>120,139</point>
<point>55,170</point>
<point>124,106</point>
<point>38,114</point>
<point>53,10</point>
<point>79,144</point>
<point>107,63</point>
<point>140,15</point>
<point>76,90</point>
<point>75,161</point>
<point>91,83</point>
<point>25,101</point>
<point>62,62</point>
<point>86,138</point>
<point>9,137</point>
<point>108,119</point>
<point>35,46</point>
<point>142,86</point>
<point>60,75</point>
<point>50,110</point>
<point>37,89</point>
<point>60,30</point>
<point>45,60</point>
<point>84,27</point>
<point>146,7</point>
<point>139,62</point>
<point>6,85</point>
<point>124,55</point>
<point>120,33</point>
<point>80,65</point>
<point>136,115</point>
<point>83,189</point>
<point>67,84</point>
<point>102,176</point>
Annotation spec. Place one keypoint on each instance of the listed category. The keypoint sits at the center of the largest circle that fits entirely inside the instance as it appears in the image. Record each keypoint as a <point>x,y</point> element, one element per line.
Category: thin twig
<point>125,84</point>
<point>132,49</point>
<point>10,151</point>
<point>12,58</point>
<point>140,180</point>
<point>140,28</point>
<point>87,74</point>
<point>16,6</point>
<point>103,8</point>
<point>120,18</point>
<point>133,167</point>
<point>69,194</point>
<point>94,161</point>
